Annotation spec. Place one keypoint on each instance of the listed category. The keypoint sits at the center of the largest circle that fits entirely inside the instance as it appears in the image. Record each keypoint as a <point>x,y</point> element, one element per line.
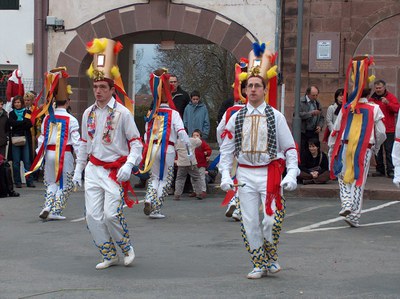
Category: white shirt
<point>285,144</point>
<point>177,128</point>
<point>124,132</point>
<point>73,130</point>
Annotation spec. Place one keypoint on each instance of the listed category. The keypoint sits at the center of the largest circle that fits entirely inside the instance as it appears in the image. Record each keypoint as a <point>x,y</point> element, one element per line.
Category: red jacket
<point>201,153</point>
<point>389,110</point>
<point>14,89</point>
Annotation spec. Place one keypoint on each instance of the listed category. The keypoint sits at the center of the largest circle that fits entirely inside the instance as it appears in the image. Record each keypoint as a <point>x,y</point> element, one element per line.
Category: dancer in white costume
<point>261,140</point>
<point>59,137</point>
<point>239,102</point>
<point>163,128</point>
<point>396,154</point>
<point>358,134</point>
<point>112,142</point>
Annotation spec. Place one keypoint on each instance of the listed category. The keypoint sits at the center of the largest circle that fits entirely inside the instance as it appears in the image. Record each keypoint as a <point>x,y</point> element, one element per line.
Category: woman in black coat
<point>314,166</point>
<point>20,124</point>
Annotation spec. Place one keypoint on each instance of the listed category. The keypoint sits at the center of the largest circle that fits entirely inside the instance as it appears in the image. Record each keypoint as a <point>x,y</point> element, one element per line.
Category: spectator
<point>196,116</point>
<point>180,97</point>
<point>29,97</point>
<point>187,165</point>
<point>14,87</point>
<point>390,107</point>
<point>4,129</point>
<point>203,153</point>
<point>331,115</point>
<point>311,116</point>
<point>314,167</point>
<point>20,127</point>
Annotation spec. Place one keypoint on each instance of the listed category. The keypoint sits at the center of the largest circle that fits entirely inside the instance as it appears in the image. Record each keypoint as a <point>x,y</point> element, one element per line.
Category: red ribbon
<point>275,170</point>
<point>226,133</point>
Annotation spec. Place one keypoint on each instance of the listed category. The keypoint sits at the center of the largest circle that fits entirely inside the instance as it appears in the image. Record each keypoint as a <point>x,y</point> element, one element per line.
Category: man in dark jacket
<point>180,97</point>
<point>311,116</point>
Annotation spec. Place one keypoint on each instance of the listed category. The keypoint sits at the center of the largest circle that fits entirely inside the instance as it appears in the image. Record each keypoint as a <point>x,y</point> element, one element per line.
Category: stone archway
<point>155,16</point>
<point>382,41</point>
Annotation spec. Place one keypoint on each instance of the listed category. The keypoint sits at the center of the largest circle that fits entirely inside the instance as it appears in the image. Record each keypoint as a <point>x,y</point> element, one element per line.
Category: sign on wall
<point>324,52</point>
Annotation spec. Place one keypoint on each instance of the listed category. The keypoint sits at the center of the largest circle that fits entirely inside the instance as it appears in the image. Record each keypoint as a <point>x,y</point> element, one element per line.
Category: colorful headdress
<point>104,66</point>
<point>240,78</point>
<point>262,63</point>
<point>160,88</point>
<point>56,88</point>
<point>357,71</point>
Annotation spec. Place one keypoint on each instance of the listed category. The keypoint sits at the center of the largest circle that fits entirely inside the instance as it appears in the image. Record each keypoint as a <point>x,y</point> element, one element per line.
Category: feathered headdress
<point>262,63</point>
<point>240,78</point>
<point>105,68</point>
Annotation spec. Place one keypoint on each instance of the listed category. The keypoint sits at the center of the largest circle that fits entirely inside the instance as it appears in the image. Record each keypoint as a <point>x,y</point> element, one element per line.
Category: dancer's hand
<point>77,179</point>
<point>124,173</point>
<point>289,182</point>
<point>226,181</point>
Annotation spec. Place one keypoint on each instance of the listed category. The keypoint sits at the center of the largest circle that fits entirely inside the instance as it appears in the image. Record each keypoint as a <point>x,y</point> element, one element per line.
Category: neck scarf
<point>91,123</point>
<point>20,114</point>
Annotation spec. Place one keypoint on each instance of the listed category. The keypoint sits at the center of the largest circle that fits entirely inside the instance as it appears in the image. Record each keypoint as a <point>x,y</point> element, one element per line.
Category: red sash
<point>114,167</point>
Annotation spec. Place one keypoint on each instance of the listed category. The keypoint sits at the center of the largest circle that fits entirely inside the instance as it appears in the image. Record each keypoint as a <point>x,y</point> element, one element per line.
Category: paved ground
<point>196,252</point>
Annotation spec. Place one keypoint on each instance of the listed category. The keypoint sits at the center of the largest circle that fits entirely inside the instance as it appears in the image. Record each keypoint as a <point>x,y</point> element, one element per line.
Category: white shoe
<point>156,215</point>
<point>274,267</point>
<point>129,257</point>
<point>52,216</point>
<point>236,215</point>
<point>257,273</point>
<point>107,263</point>
<point>351,223</point>
<point>345,211</point>
<point>44,213</point>
<point>230,210</point>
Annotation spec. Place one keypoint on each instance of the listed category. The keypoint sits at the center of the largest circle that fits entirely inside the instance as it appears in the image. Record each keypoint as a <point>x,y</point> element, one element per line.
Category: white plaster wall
<point>17,31</point>
<point>257,16</point>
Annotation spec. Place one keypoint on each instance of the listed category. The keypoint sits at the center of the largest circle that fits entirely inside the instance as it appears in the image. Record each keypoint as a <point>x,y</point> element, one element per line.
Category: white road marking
<point>306,210</point>
<point>315,226</point>
<point>83,218</point>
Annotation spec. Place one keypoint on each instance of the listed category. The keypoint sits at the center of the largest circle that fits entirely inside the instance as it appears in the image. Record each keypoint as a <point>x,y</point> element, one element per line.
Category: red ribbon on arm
<point>226,133</point>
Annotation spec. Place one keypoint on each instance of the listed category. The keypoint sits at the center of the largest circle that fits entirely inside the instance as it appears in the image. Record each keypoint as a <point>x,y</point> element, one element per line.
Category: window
<point>9,4</point>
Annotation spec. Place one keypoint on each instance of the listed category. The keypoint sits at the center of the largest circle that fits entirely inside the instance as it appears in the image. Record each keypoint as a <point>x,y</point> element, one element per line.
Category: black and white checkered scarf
<point>269,113</point>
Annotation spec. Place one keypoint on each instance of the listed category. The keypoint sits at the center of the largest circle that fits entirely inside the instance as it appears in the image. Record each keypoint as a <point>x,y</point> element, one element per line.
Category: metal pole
<point>296,118</point>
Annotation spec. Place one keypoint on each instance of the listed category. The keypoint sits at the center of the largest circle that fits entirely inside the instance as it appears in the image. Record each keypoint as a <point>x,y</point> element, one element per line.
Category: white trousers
<point>56,197</point>
<point>157,189</point>
<point>351,195</point>
<point>104,212</point>
<point>260,231</point>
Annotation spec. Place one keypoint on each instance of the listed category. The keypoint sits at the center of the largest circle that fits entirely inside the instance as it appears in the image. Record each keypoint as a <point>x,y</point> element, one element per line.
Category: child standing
<point>202,153</point>
<point>187,165</point>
